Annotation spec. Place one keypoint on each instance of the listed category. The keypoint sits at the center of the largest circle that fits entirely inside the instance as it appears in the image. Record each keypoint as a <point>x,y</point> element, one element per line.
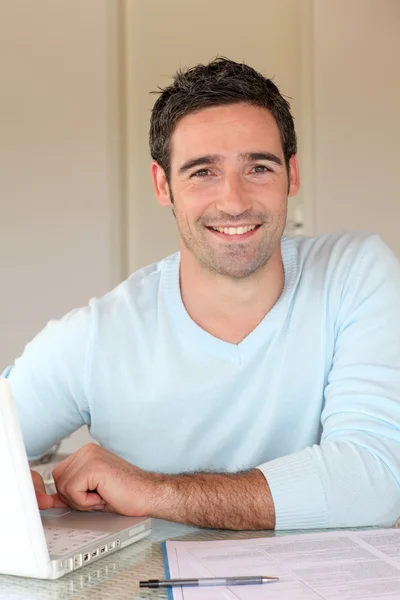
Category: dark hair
<point>221,82</point>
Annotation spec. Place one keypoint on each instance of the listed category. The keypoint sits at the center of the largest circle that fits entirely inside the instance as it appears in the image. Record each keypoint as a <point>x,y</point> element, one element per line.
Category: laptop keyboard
<point>62,540</point>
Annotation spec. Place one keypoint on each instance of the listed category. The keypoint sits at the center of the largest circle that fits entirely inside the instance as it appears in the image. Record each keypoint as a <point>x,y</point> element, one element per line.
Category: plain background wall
<point>357,120</point>
<point>55,164</point>
<point>163,35</point>
<point>55,233</point>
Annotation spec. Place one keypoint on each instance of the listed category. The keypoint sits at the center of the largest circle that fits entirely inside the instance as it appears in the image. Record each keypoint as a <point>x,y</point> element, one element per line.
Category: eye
<point>201,173</point>
<point>261,169</point>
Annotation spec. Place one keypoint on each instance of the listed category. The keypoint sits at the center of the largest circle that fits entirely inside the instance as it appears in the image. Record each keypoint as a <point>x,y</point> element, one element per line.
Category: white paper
<point>336,565</point>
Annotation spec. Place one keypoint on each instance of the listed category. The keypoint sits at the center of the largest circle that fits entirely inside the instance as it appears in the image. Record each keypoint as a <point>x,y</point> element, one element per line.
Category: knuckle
<point>56,477</point>
<point>90,448</point>
<point>67,490</point>
<point>97,464</point>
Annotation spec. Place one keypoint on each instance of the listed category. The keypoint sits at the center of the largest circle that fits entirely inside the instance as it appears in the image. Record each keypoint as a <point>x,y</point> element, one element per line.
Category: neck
<point>230,309</point>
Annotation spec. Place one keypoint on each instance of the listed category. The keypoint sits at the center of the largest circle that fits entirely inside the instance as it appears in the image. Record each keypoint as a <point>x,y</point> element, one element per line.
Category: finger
<point>76,482</point>
<point>69,467</point>
<point>62,466</point>
<point>104,508</point>
<point>58,502</point>
<point>38,482</point>
<point>81,455</point>
<point>81,504</point>
<point>63,474</point>
<point>44,500</point>
<point>94,499</point>
<point>75,493</point>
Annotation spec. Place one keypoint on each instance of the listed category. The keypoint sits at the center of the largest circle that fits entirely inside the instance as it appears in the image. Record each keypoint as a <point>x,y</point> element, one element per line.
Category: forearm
<point>222,501</point>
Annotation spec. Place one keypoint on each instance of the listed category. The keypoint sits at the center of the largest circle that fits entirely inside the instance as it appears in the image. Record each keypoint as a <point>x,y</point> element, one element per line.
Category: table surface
<point>117,577</point>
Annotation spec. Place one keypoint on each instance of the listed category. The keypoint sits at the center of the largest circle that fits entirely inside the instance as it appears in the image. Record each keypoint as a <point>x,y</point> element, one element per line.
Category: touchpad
<point>55,512</point>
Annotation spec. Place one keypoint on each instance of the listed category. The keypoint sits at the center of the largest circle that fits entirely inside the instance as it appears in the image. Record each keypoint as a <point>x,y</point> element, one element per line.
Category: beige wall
<point>55,232</point>
<point>357,119</point>
<point>163,35</point>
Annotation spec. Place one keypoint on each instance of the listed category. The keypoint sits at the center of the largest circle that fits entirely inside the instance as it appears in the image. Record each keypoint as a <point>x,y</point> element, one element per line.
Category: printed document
<point>336,565</point>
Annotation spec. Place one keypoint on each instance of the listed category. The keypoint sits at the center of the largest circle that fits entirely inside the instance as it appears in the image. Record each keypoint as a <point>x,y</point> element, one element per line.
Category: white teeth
<point>235,230</point>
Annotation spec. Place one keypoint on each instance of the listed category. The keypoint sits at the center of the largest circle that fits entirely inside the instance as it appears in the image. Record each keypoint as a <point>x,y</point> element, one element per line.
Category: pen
<point>227,581</point>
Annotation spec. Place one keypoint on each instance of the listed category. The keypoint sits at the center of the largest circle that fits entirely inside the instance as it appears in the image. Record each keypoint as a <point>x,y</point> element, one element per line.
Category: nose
<point>232,198</point>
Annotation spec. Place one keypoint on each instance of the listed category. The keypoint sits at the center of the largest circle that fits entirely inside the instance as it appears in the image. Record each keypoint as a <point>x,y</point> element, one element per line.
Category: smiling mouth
<point>241,230</point>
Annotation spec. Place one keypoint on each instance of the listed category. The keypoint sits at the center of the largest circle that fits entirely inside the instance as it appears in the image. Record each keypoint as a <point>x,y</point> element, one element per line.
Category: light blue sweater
<point>311,396</point>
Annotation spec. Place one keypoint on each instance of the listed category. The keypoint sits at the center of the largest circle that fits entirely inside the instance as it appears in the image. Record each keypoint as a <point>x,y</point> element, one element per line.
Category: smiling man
<point>249,381</point>
<point>228,184</point>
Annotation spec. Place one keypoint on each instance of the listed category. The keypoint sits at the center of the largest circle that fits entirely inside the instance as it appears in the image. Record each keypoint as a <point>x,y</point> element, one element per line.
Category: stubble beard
<point>237,260</point>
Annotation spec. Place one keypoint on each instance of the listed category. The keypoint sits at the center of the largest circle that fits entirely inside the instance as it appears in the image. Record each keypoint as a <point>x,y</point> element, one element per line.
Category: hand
<point>95,479</point>
<point>45,500</point>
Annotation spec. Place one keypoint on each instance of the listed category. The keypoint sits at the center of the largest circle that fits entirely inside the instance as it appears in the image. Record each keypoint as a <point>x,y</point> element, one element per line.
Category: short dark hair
<point>220,82</point>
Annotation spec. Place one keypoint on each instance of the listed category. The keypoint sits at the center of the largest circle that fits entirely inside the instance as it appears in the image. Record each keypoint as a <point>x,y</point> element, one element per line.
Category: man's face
<point>229,187</point>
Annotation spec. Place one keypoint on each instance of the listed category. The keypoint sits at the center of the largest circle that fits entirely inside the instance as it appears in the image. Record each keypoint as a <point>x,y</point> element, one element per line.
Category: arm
<point>223,501</point>
<point>48,382</point>
<point>352,478</point>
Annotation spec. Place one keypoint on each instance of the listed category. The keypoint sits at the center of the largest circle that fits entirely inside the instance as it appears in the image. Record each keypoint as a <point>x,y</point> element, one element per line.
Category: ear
<point>294,176</point>
<point>160,183</point>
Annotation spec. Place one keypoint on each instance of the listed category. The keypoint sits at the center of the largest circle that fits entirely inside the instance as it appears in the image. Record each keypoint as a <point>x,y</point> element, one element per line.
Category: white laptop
<point>48,544</point>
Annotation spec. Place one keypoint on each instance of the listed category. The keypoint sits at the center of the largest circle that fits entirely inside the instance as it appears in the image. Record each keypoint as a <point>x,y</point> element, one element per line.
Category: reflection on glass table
<point>117,577</point>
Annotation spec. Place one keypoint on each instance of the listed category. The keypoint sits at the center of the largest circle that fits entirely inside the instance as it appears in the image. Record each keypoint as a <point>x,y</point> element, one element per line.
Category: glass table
<point>117,577</point>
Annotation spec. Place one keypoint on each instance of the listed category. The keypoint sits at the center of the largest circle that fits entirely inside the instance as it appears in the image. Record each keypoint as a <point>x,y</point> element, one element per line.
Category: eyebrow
<point>213,159</point>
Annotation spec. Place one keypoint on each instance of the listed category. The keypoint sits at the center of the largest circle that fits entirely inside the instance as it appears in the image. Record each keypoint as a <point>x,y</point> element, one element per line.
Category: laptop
<point>50,543</point>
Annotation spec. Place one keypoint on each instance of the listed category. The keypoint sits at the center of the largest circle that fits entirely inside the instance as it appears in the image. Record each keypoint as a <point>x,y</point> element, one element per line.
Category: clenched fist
<point>96,479</point>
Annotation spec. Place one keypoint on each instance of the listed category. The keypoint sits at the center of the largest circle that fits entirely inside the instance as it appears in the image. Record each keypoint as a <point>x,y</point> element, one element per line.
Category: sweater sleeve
<point>48,382</point>
<point>353,477</point>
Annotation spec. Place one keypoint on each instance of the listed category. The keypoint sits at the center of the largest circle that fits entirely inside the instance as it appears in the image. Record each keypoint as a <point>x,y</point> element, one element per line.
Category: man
<point>248,382</point>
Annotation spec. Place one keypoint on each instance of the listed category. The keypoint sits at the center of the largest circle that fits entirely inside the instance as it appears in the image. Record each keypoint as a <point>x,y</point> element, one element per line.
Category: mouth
<point>234,233</point>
